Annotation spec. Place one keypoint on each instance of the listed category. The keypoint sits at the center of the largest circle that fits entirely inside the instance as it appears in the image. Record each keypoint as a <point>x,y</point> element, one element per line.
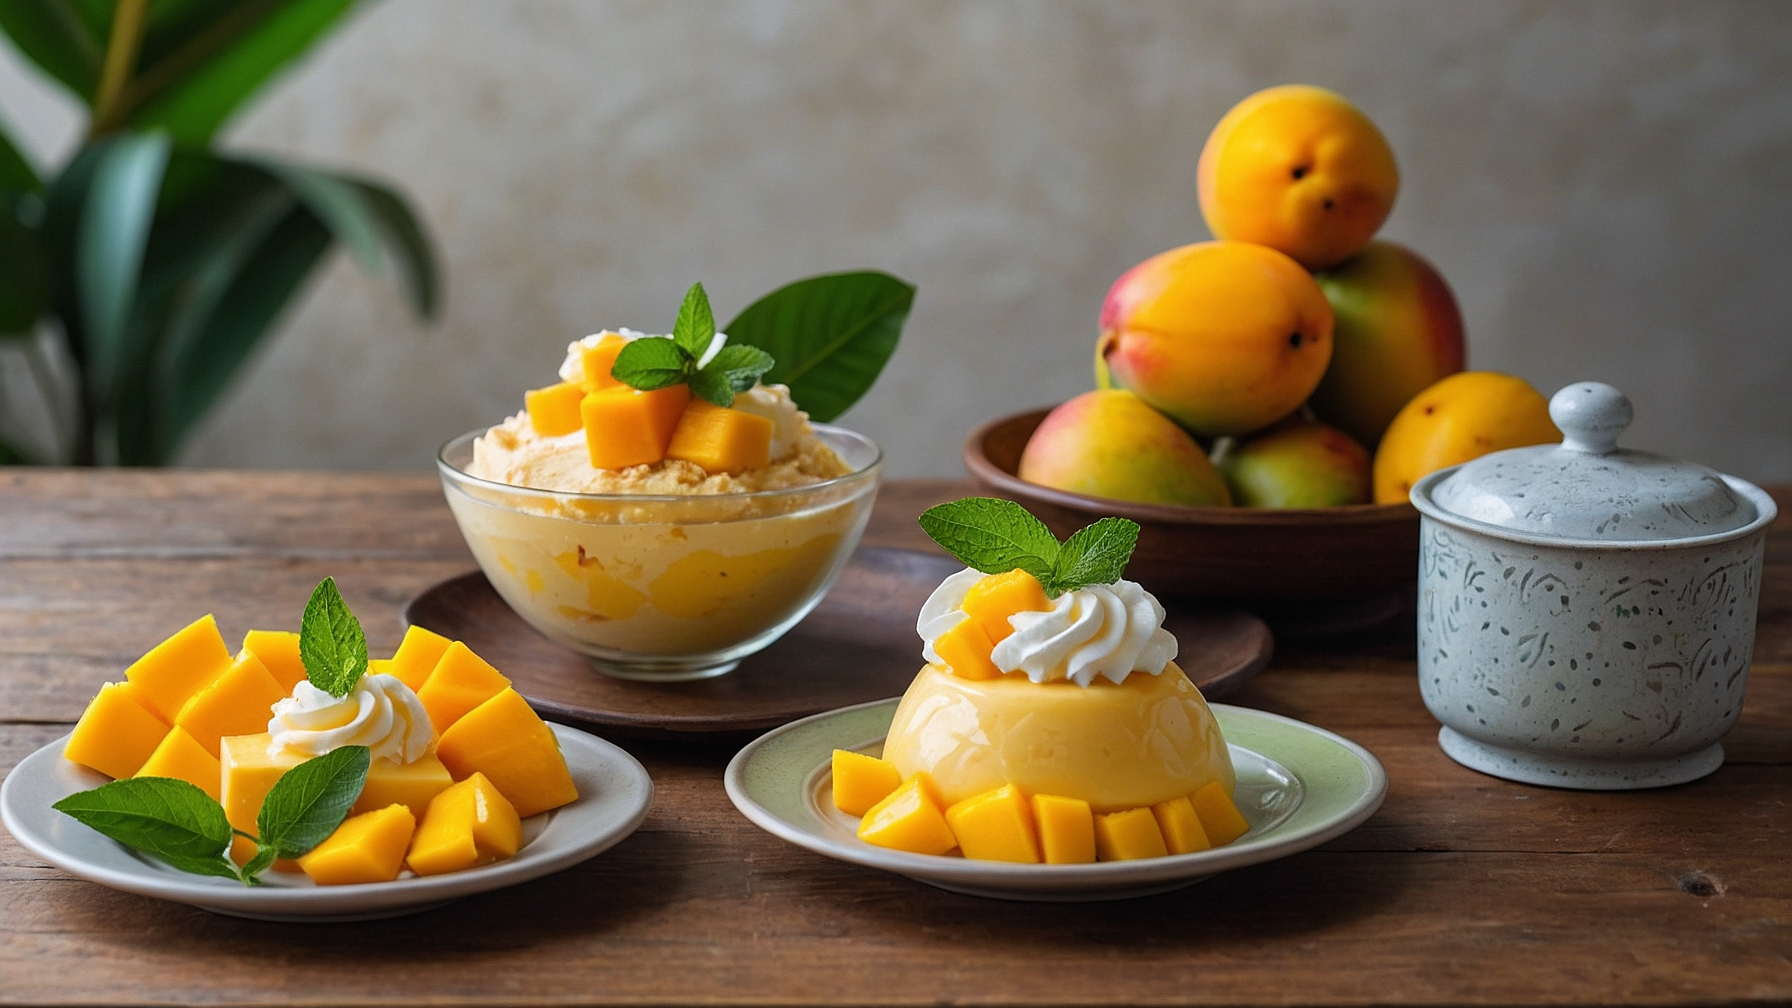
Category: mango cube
<point>460,682</point>
<point>965,649</point>
<point>995,826</point>
<point>1220,818</point>
<point>175,669</point>
<point>1066,829</point>
<point>554,410</point>
<point>596,363</point>
<point>417,656</point>
<point>236,703</point>
<point>467,825</point>
<point>279,654</point>
<point>721,439</point>
<point>505,742</point>
<point>249,772</point>
<point>412,784</point>
<point>996,597</point>
<point>909,819</point>
<point>181,757</point>
<point>1128,835</point>
<point>861,781</point>
<point>1181,829</point>
<point>116,734</point>
<point>369,847</point>
<point>627,427</point>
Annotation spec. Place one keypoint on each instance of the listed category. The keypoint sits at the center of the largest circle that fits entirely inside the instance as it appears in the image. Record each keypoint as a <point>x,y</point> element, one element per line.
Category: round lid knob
<point>1590,416</point>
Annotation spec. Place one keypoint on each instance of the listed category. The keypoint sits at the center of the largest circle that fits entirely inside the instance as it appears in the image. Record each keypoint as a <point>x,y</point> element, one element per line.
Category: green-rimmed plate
<point>1298,785</point>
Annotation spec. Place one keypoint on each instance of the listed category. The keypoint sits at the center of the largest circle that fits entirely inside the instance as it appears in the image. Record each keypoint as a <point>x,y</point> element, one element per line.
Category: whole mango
<point>1299,169</point>
<point>1397,331</point>
<point>1224,337</point>
<point>1464,416</point>
<point>1108,443</point>
<point>1299,464</point>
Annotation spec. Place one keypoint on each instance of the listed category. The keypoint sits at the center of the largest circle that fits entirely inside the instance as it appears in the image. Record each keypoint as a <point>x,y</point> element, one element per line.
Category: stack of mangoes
<point>1294,361</point>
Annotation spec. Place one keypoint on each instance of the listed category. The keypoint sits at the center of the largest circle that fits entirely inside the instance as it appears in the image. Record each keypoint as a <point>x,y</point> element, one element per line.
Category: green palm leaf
<point>114,228</point>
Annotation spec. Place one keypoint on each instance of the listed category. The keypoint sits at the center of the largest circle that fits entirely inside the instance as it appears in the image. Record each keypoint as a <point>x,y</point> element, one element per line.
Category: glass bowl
<point>664,588</point>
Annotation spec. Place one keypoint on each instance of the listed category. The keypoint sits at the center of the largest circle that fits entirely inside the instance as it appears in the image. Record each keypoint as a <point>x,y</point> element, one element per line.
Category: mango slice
<point>995,826</point>
<point>467,825</point>
<point>965,649</point>
<point>504,741</point>
<point>181,757</point>
<point>909,819</point>
<point>175,669</point>
<point>116,734</point>
<point>1066,829</point>
<point>991,600</point>
<point>554,410</point>
<point>460,682</point>
<point>417,656</point>
<point>597,362</point>
<point>627,427</point>
<point>279,654</point>
<point>861,781</point>
<point>248,772</point>
<point>238,702</point>
<point>369,847</point>
<point>721,440</point>
<point>1128,835</point>
<point>1220,818</point>
<point>1181,829</point>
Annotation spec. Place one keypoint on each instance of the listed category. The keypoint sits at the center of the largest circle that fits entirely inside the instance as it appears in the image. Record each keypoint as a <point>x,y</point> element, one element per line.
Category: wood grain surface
<point>1462,889</point>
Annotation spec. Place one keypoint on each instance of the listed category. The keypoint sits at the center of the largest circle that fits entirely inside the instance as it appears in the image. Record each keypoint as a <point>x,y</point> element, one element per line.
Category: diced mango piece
<point>554,410</point>
<point>995,826</point>
<point>248,772</point>
<point>180,756</point>
<point>505,741</point>
<point>627,427</point>
<point>116,734</point>
<point>236,703</point>
<point>965,649</point>
<point>369,847</point>
<point>1220,818</point>
<point>179,667</point>
<point>417,655</point>
<point>861,781</point>
<point>379,666</point>
<point>279,654</point>
<point>1128,835</point>
<point>1066,829</point>
<point>909,819</point>
<point>467,825</point>
<point>1181,829</point>
<point>721,439</point>
<point>460,682</point>
<point>411,784</point>
<point>598,361</point>
<point>991,600</point>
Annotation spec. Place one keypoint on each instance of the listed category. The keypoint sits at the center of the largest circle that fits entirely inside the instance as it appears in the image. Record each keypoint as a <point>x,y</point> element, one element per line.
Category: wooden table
<point>1463,888</point>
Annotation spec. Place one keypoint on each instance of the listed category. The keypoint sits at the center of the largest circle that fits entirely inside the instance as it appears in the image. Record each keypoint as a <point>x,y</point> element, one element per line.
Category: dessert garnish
<point>995,536</point>
<point>694,355</point>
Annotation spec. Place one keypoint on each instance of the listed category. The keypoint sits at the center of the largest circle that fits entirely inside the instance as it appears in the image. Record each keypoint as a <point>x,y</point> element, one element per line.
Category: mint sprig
<point>996,536</point>
<point>309,801</point>
<point>658,362</point>
<point>332,645</point>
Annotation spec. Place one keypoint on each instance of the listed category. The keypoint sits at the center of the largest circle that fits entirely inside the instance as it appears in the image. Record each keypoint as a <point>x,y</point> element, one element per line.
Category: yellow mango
<point>1180,827</point>
<point>460,682</point>
<point>469,824</point>
<point>1128,835</point>
<point>505,741</point>
<point>995,826</point>
<point>597,361</point>
<point>554,410</point>
<point>279,654</point>
<point>180,666</point>
<point>1066,829</point>
<point>627,427</point>
<point>721,439</point>
<point>965,650</point>
<point>369,847</point>
<point>117,733</point>
<point>411,784</point>
<point>236,703</point>
<point>861,781</point>
<point>1220,818</point>
<point>996,597</point>
<point>1458,418</point>
<point>909,819</point>
<point>183,758</point>
<point>248,772</point>
<point>417,655</point>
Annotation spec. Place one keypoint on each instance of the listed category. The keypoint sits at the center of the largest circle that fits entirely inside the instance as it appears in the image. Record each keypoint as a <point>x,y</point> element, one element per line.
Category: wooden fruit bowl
<point>1360,553</point>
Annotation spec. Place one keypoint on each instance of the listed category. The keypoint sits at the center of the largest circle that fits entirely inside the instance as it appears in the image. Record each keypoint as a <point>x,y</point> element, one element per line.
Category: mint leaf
<point>711,388</point>
<point>696,325</point>
<point>170,819</point>
<point>218,865</point>
<point>309,801</point>
<point>1096,554</point>
<point>993,536</point>
<point>830,335</point>
<point>264,856</point>
<point>331,644</point>
<point>741,365</point>
<point>653,362</point>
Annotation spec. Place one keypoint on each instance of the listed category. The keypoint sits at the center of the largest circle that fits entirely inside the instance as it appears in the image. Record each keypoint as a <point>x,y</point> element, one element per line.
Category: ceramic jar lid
<point>1588,488</point>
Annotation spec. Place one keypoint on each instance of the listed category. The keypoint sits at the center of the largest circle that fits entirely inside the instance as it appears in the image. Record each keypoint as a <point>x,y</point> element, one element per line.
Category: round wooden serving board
<point>858,645</point>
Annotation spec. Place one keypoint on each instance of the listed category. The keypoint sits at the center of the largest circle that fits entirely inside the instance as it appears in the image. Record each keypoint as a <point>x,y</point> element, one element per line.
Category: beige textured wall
<point>1606,185</point>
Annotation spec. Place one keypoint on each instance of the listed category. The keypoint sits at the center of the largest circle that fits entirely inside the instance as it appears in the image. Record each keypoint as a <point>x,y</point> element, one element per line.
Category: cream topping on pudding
<point>381,713</point>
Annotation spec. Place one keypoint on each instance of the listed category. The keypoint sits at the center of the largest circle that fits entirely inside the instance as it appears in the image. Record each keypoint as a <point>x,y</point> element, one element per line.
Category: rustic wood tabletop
<point>1463,888</point>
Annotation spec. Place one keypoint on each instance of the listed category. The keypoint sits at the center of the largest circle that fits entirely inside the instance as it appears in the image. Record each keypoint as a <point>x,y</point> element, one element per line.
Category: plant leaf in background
<point>849,321</point>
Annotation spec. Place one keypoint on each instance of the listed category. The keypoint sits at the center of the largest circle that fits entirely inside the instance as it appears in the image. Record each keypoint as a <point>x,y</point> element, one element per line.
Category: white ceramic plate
<point>1298,785</point>
<point>614,792</point>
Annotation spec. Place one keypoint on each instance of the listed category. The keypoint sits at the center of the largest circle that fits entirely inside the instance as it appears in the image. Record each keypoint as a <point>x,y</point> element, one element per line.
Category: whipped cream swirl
<point>1110,630</point>
<point>380,713</point>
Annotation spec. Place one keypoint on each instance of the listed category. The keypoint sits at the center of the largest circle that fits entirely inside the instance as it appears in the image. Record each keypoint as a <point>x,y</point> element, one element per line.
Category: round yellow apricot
<point>1464,416</point>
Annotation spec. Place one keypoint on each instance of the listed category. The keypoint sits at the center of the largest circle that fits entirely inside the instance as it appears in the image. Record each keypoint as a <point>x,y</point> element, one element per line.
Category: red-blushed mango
<point>1464,416</point>
<point>1109,443</point>
<point>1299,169</point>
<point>1223,337</point>
<point>1397,331</point>
<point>1300,464</point>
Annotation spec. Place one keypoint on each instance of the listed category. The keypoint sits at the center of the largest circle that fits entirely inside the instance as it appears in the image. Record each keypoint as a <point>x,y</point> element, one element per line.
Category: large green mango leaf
<point>831,336</point>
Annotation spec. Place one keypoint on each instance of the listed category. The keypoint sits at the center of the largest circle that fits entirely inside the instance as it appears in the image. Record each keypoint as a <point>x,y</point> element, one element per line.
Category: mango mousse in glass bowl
<point>660,510</point>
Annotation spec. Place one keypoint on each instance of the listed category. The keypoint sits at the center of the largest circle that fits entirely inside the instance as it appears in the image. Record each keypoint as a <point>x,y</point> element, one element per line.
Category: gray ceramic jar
<point>1587,613</point>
